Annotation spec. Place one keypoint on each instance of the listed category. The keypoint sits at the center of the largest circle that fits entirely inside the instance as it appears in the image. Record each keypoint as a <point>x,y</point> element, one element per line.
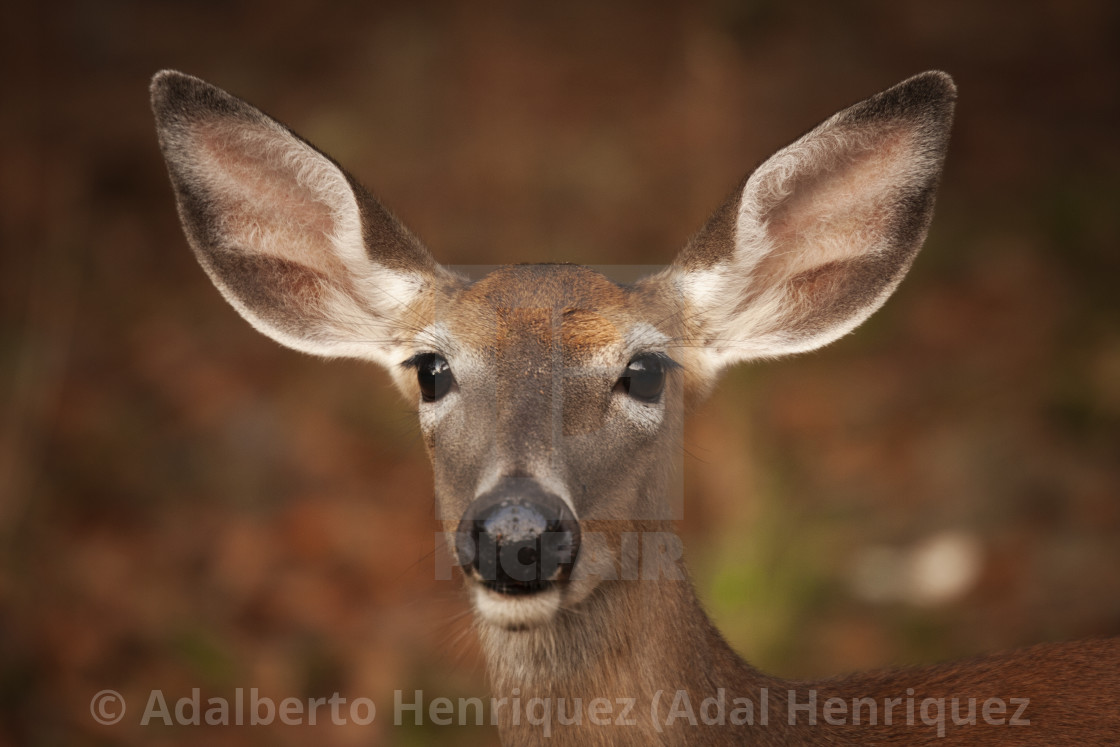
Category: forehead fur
<point>541,305</point>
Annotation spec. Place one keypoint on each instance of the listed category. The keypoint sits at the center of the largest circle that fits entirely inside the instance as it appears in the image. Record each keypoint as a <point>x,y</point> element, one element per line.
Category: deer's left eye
<point>644,377</point>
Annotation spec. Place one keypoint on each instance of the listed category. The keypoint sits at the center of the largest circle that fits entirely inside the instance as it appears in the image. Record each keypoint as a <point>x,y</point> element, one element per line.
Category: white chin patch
<point>526,611</point>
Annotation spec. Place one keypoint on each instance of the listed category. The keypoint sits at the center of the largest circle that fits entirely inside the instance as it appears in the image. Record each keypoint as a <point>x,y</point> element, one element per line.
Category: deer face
<point>549,397</point>
<point>548,403</point>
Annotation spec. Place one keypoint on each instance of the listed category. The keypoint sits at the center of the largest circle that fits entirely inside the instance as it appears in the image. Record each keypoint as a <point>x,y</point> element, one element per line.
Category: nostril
<point>518,543</point>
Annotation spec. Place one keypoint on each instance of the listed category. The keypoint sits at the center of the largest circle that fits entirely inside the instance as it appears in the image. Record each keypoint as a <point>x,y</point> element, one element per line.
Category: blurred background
<point>185,504</point>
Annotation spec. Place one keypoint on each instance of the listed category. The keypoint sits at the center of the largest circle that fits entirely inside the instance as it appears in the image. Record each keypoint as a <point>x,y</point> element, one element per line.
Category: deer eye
<point>433,373</point>
<point>644,377</point>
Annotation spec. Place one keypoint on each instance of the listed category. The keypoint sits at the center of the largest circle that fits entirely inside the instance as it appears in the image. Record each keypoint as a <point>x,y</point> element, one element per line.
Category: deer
<point>550,400</point>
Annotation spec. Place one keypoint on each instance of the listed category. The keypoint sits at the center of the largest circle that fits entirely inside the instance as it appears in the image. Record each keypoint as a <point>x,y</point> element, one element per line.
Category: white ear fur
<point>291,241</point>
<point>821,233</point>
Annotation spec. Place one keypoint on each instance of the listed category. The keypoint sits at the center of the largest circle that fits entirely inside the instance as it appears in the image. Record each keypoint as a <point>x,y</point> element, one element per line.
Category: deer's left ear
<point>821,233</point>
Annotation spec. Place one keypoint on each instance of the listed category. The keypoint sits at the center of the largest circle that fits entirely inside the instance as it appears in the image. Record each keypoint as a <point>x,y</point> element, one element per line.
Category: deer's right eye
<point>434,376</point>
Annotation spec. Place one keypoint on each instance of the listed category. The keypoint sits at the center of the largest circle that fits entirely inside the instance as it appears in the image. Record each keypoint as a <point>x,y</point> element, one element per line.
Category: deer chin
<point>515,611</point>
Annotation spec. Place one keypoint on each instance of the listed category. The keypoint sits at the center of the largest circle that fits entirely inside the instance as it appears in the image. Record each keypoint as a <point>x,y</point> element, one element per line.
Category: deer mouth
<point>516,612</point>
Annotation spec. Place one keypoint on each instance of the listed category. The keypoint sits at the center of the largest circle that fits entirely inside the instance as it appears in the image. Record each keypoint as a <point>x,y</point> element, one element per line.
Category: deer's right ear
<point>821,233</point>
<point>305,254</point>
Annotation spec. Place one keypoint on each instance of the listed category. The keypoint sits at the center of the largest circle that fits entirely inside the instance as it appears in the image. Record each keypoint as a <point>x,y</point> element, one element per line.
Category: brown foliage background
<point>185,504</point>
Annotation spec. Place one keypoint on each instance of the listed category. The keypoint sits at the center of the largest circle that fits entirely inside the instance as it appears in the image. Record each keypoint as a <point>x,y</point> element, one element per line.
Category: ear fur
<point>295,244</point>
<point>818,237</point>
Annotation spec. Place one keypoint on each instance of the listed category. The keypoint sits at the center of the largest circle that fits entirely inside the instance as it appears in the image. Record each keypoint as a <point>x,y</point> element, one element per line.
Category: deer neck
<point>631,650</point>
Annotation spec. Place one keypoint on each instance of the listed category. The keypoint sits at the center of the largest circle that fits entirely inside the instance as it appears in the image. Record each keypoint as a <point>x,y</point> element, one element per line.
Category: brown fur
<point>804,250</point>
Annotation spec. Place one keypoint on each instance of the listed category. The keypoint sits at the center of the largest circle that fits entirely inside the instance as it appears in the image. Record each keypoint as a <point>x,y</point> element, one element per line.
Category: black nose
<point>518,538</point>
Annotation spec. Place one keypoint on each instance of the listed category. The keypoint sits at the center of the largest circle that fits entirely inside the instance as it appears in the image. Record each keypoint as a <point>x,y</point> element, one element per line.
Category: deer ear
<point>821,233</point>
<point>288,237</point>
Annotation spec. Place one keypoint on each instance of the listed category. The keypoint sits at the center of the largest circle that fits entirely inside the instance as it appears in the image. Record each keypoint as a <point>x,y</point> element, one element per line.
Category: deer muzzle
<point>518,538</point>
